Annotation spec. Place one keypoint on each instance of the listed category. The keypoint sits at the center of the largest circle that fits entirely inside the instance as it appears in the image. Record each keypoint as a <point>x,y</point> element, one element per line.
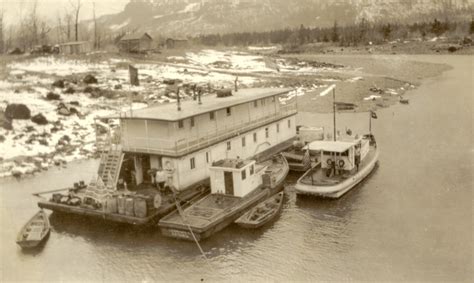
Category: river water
<point>410,220</point>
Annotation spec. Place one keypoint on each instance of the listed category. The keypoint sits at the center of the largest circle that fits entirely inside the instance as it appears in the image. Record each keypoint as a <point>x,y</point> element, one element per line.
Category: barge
<point>236,187</point>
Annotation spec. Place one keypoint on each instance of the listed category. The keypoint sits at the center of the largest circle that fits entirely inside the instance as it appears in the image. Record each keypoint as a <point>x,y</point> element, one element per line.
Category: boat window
<point>273,98</point>
<point>212,115</point>
<point>228,111</point>
<point>267,133</point>
<point>262,101</point>
<point>180,124</point>
<point>229,145</point>
<point>255,137</point>
<point>345,153</point>
<point>289,123</point>
<point>278,127</point>
<point>207,157</point>
<point>192,162</point>
<point>255,103</point>
<point>243,142</point>
<point>192,122</point>
<point>327,153</point>
<point>251,170</point>
<point>244,174</point>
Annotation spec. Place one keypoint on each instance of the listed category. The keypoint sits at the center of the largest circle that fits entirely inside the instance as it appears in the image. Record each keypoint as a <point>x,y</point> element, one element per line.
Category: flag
<point>373,114</point>
<point>326,91</point>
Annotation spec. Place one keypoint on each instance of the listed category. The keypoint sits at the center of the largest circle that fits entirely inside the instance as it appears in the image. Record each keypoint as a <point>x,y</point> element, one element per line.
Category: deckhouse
<point>185,140</point>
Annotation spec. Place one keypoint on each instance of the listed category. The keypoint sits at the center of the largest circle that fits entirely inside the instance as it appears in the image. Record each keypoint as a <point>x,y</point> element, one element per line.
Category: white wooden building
<point>186,142</point>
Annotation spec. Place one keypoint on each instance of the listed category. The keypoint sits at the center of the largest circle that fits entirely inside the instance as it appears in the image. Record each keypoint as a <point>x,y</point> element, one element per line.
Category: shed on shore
<point>136,42</point>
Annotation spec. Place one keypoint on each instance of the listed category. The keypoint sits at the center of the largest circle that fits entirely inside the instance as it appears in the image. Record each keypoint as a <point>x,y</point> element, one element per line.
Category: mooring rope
<point>181,214</point>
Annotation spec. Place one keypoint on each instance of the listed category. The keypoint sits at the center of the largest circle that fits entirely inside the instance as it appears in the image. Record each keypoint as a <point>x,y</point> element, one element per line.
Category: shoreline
<point>367,81</point>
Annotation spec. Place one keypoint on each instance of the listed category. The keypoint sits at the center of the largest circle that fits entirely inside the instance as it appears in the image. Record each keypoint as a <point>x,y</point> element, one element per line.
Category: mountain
<point>193,17</point>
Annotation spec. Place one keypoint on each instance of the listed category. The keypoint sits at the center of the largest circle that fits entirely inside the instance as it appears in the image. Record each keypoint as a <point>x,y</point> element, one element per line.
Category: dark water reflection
<point>410,220</point>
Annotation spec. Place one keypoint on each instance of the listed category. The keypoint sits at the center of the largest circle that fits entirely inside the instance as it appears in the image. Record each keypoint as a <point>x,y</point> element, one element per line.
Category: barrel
<point>140,207</point>
<point>121,205</point>
<point>129,211</point>
<point>111,205</point>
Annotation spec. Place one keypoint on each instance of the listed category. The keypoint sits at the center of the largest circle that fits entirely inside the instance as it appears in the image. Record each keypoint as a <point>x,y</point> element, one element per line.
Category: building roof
<point>135,36</point>
<point>332,146</point>
<point>191,108</point>
<point>73,43</point>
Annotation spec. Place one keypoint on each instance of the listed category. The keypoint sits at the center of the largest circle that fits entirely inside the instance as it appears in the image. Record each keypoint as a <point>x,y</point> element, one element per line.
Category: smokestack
<point>179,101</point>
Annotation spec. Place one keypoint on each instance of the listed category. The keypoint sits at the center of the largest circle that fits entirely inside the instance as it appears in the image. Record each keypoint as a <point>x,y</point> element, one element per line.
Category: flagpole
<point>334,110</point>
<point>370,122</point>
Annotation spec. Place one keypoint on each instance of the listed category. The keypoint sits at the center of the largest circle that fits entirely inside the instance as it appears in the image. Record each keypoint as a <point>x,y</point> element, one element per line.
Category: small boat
<point>404,100</point>
<point>237,186</point>
<point>344,163</point>
<point>262,213</point>
<point>299,158</point>
<point>35,231</point>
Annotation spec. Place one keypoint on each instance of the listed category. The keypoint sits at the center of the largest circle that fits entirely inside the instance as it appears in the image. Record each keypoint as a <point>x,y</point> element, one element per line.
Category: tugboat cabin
<point>342,154</point>
<point>185,138</point>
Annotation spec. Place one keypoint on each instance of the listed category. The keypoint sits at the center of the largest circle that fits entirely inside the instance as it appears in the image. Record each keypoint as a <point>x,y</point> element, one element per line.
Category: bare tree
<point>96,42</point>
<point>68,20</point>
<point>33,25</point>
<point>76,7</point>
<point>2,44</point>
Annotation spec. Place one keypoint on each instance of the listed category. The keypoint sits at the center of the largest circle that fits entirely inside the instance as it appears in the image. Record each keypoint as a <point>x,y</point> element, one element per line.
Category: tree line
<point>350,35</point>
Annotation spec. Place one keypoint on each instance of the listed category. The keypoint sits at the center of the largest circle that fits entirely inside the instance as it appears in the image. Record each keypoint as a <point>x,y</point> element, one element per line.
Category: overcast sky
<point>50,8</point>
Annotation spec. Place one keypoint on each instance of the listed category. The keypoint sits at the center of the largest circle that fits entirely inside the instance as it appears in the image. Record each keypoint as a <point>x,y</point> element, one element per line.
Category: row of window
<point>244,143</point>
<point>244,172</point>
<point>212,115</point>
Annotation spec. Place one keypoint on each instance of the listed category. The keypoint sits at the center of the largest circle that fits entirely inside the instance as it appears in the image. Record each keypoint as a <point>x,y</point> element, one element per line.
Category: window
<point>207,157</point>
<point>243,142</point>
<point>228,110</point>
<point>180,124</point>
<point>273,98</point>
<point>229,147</point>
<point>255,103</point>
<point>251,170</point>
<point>193,163</point>
<point>212,115</point>
<point>278,127</point>
<point>267,134</point>
<point>262,102</point>
<point>244,174</point>
<point>255,137</point>
<point>289,123</point>
<point>192,122</point>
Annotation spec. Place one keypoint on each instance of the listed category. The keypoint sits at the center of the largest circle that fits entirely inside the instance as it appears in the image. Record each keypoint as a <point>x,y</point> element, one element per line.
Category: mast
<point>334,110</point>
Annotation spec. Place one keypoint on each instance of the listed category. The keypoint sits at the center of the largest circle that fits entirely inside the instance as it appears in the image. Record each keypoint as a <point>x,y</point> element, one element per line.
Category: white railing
<point>185,145</point>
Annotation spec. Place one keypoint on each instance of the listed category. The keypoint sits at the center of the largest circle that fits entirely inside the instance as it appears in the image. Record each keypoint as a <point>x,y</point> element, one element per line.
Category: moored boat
<point>344,164</point>
<point>263,213</point>
<point>35,231</point>
<point>299,157</point>
<point>236,186</point>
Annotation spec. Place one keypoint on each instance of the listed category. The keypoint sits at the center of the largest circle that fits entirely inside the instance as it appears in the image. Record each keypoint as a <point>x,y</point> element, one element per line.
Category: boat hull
<point>336,191</point>
<point>253,225</point>
<point>41,221</point>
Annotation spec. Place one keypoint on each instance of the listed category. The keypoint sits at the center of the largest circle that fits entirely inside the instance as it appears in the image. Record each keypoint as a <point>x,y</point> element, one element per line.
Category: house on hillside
<point>136,42</point>
<point>76,47</point>
<point>176,43</point>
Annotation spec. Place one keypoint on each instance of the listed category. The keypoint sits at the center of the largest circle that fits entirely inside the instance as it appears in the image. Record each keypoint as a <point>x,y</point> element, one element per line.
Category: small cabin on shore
<point>176,43</point>
<point>136,42</point>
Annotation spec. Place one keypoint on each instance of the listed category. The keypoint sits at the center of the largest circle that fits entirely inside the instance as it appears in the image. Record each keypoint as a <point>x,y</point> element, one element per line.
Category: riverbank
<point>62,95</point>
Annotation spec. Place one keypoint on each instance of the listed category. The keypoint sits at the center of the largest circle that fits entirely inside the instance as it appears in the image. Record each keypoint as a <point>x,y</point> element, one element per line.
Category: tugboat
<point>345,161</point>
<point>237,186</point>
<point>162,153</point>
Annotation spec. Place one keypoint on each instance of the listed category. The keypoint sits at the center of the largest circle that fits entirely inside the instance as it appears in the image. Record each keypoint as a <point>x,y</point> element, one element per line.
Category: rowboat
<point>35,231</point>
<point>262,213</point>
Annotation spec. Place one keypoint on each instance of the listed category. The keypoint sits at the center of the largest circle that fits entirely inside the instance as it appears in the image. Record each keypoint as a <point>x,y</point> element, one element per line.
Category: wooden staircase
<point>109,168</point>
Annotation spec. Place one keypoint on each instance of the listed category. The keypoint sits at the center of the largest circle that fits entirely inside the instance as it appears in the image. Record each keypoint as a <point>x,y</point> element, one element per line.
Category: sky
<point>49,9</point>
